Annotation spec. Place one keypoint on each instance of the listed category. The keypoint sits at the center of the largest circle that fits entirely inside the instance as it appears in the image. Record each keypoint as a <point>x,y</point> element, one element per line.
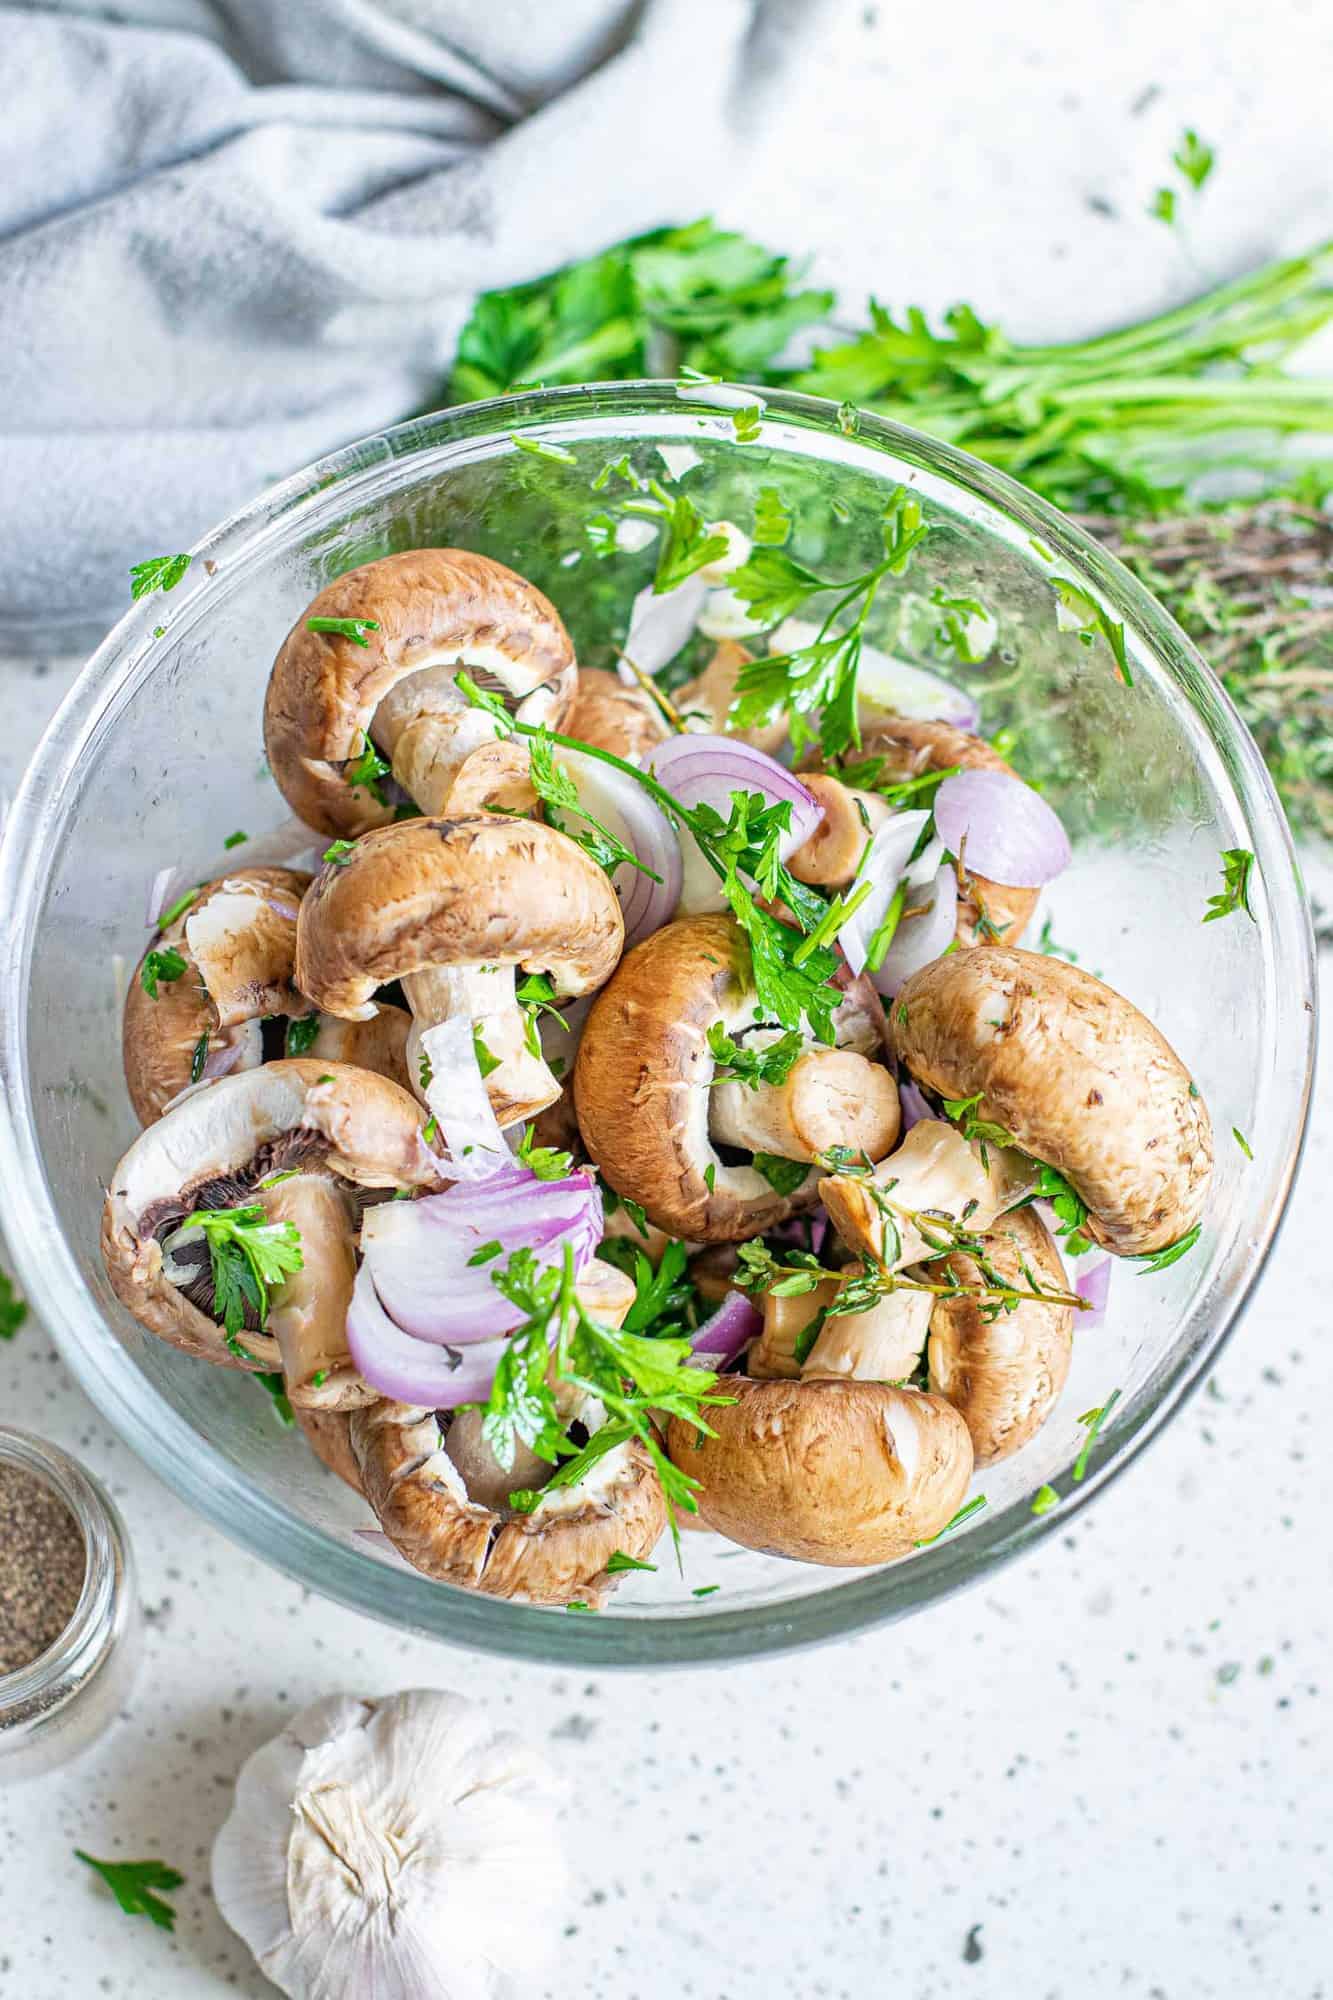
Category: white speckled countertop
<point>1109,1770</point>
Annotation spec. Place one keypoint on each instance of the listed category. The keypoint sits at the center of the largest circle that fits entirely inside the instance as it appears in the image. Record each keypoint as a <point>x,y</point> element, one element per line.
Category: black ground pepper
<point>42,1565</point>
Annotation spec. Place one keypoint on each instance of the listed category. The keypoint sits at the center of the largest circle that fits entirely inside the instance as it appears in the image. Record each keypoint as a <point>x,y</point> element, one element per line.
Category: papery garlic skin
<point>402,1849</point>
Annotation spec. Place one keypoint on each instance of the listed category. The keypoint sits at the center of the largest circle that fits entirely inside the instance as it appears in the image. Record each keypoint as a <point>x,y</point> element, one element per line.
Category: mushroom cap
<point>556,1554</point>
<point>432,606</point>
<point>1003,1375</point>
<point>909,748</point>
<point>361,1126</point>
<point>641,1085</point>
<point>244,971</point>
<point>1082,1080</point>
<point>326,1432</point>
<point>436,892</point>
<point>613,717</point>
<point>827,1471</point>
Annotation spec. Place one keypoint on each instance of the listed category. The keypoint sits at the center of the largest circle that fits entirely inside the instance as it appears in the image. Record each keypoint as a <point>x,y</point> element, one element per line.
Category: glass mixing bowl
<point>154,759</point>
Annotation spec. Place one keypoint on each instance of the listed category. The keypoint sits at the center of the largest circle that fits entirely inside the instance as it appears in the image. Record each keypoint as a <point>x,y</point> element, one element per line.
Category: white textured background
<point>1109,1772</point>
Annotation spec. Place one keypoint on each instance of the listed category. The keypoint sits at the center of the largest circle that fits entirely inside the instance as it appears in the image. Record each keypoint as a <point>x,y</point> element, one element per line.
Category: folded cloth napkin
<point>237,233</point>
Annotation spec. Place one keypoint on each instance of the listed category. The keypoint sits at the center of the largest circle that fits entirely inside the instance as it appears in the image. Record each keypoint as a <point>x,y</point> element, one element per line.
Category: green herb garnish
<point>13,1311</point>
<point>1044,1499</point>
<point>338,853</point>
<point>248,1254</point>
<point>354,629</point>
<point>198,1057</point>
<point>235,840</point>
<point>167,964</point>
<point>302,1034</point>
<point>1237,863</point>
<point>366,771</point>
<point>277,1390</point>
<point>132,1884</point>
<point>487,1062</point>
<point>546,1162</point>
<point>783,1176</point>
<point>1160,1260</point>
<point>964,1514</point>
<point>751,1063</point>
<point>157,573</point>
<point>1241,1141</point>
<point>1093,1421</point>
<point>618,1562</point>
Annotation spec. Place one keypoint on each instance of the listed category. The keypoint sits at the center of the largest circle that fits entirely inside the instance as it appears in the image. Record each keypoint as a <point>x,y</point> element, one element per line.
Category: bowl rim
<point>200,1474</point>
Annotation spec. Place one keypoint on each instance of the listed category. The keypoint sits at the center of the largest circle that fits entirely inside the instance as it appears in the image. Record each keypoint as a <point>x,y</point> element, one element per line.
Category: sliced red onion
<point>1094,1285</point>
<point>660,625</point>
<point>1012,835</point>
<point>720,1339</point>
<point>886,686</point>
<point>883,867</point>
<point>418,1252</point>
<point>410,1370</point>
<point>159,896</point>
<point>622,804</point>
<point>460,1102</point>
<point>914,1105</point>
<point>221,1062</point>
<point>706,770</point>
<point>921,940</point>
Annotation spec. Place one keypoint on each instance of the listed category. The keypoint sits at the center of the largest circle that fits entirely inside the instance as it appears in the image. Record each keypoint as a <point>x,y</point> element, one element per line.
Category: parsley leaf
<point>772,521</point>
<point>338,853</point>
<point>157,573</point>
<point>354,629</point>
<point>1093,1420</point>
<point>1160,1260</point>
<point>973,1506</point>
<point>13,1311</point>
<point>132,1884</point>
<point>559,794</point>
<point>1162,207</point>
<point>752,1064</point>
<point>486,1062</point>
<point>365,771</point>
<point>1237,863</point>
<point>1078,611</point>
<point>546,1162</point>
<point>1070,1210</point>
<point>617,1562</point>
<point>783,1176</point>
<point>248,1254</point>
<point>167,965</point>
<point>775,586</point>
<point>277,1389</point>
<point>301,1036</point>
<point>1194,159</point>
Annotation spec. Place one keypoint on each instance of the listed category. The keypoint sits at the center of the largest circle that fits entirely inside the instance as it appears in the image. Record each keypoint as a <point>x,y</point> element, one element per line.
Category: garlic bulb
<point>403,1849</point>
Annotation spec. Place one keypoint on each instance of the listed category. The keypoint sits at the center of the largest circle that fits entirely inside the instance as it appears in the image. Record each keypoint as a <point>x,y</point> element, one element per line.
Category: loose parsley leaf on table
<point>132,1884</point>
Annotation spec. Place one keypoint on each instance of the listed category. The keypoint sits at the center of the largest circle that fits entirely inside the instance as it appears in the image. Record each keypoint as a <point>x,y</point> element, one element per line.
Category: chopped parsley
<point>13,1311</point>
<point>1193,158</point>
<point>688,542</point>
<point>486,1253</point>
<point>559,794</point>
<point>302,1034</point>
<point>618,1562</point>
<point>1044,1499</point>
<point>487,1062</point>
<point>559,454</point>
<point>973,1506</point>
<point>179,907</point>
<point>248,1254</point>
<point>338,853</point>
<point>366,770</point>
<point>167,965</point>
<point>1071,1211</point>
<point>752,1064</point>
<point>772,520</point>
<point>1093,1421</point>
<point>548,1163</point>
<point>277,1389</point>
<point>1160,1260</point>
<point>747,423</point>
<point>157,573</point>
<point>783,1176</point>
<point>1237,865</point>
<point>354,629</point>
<point>235,840</point>
<point>132,1883</point>
<point>1241,1141</point>
<point>198,1057</point>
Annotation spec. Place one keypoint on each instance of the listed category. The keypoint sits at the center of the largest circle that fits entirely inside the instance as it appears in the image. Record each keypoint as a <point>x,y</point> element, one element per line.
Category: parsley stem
<point>831,922</point>
<point>882,936</point>
<point>666,708</point>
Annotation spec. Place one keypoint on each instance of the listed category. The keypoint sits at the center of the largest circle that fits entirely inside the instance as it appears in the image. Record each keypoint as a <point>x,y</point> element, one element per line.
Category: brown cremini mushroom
<point>386,675</point>
<point>613,717</point>
<point>451,907</point>
<point>910,748</point>
<point>442,1499</point>
<point>831,856</point>
<point>936,1182</point>
<point>704,702</point>
<point>1002,1371</point>
<point>652,1112</point>
<point>238,942</point>
<point>328,1435</point>
<point>1076,1074</point>
<point>827,1471</point>
<point>338,1128</point>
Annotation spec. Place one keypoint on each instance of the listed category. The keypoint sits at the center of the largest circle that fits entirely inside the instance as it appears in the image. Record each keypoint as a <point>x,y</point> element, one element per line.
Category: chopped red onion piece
<point>1011,834</point>
<point>410,1370</point>
<point>1094,1285</point>
<point>706,770</point>
<point>623,806</point>
<point>159,896</point>
<point>914,1105</point>
<point>883,866</point>
<point>720,1339</point>
<point>460,1102</point>
<point>921,940</point>
<point>660,625</point>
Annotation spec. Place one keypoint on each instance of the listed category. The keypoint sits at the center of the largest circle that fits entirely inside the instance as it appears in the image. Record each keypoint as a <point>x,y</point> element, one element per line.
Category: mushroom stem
<point>904,1212</point>
<point>829,1097</point>
<point>308,1311</point>
<point>521,1085</point>
<point>881,1345</point>
<point>430,754</point>
<point>831,856</point>
<point>786,1318</point>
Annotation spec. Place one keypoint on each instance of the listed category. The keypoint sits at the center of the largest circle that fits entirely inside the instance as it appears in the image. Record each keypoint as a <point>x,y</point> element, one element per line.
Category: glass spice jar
<point>56,1704</point>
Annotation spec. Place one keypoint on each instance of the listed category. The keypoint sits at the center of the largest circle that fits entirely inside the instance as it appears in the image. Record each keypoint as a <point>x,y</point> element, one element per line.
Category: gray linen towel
<point>237,233</point>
